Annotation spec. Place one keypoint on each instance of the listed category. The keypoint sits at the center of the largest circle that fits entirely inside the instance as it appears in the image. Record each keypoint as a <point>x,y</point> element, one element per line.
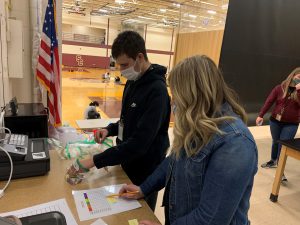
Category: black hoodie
<point>145,114</point>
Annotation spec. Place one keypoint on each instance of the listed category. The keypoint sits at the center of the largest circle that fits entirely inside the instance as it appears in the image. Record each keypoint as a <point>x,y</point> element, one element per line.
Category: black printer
<point>34,162</point>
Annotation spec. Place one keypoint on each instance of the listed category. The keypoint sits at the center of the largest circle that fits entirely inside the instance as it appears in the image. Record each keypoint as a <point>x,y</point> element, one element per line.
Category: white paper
<point>93,203</point>
<point>99,222</point>
<point>57,205</point>
<point>95,123</point>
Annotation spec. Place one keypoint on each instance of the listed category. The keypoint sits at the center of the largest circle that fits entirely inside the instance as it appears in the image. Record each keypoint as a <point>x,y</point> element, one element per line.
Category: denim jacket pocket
<point>194,176</point>
<point>195,165</point>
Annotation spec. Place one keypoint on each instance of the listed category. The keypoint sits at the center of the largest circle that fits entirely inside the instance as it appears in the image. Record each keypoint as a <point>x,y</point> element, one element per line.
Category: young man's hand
<point>100,135</point>
<point>80,166</point>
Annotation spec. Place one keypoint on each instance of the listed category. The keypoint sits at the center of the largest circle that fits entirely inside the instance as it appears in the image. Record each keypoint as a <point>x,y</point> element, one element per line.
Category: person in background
<point>208,176</point>
<point>106,76</point>
<point>112,63</point>
<point>91,111</point>
<point>142,130</point>
<point>285,117</point>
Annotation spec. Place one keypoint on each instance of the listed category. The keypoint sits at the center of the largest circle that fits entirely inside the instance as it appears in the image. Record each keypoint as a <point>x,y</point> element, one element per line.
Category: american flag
<point>48,71</point>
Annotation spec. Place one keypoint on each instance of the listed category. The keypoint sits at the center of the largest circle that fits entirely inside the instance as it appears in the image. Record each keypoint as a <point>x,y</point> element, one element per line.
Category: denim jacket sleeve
<point>157,179</point>
<point>229,176</point>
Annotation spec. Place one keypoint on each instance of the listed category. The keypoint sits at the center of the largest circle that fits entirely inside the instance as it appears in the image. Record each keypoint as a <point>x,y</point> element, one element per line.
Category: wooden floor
<point>79,88</point>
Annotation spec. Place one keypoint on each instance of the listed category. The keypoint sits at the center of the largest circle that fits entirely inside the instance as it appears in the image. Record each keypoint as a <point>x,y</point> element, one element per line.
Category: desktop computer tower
<point>30,119</point>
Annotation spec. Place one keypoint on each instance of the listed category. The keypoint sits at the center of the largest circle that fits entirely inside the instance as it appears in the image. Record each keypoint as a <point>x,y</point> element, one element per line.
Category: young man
<point>142,130</point>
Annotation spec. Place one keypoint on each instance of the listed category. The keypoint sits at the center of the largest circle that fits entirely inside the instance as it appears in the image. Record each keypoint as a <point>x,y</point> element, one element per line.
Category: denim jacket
<point>214,186</point>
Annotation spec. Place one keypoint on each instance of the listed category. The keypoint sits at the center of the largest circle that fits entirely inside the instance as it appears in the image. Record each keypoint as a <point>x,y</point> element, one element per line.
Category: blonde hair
<point>199,90</point>
<point>285,85</point>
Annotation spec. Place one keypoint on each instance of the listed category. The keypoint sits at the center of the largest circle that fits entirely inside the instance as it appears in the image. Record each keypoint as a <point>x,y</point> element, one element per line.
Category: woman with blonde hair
<point>285,117</point>
<point>208,176</point>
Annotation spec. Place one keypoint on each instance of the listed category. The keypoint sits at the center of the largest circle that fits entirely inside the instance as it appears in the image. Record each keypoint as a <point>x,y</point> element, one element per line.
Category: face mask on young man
<point>173,107</point>
<point>130,73</point>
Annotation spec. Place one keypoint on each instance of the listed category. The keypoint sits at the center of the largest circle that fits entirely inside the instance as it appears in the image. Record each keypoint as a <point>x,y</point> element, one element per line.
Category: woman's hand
<point>147,222</point>
<point>100,135</point>
<point>131,191</point>
<point>259,121</point>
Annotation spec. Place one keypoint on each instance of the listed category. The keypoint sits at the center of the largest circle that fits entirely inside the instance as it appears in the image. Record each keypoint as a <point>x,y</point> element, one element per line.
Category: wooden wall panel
<point>199,43</point>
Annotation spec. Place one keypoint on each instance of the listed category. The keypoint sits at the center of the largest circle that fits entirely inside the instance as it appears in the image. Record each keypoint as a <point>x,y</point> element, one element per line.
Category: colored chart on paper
<point>87,201</point>
<point>94,203</point>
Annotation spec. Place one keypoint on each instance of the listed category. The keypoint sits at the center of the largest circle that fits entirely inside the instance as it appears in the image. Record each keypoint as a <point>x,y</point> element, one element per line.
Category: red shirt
<point>291,113</point>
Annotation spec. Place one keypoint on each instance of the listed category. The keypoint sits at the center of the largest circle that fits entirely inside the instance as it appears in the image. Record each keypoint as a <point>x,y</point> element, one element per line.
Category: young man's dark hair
<point>129,43</point>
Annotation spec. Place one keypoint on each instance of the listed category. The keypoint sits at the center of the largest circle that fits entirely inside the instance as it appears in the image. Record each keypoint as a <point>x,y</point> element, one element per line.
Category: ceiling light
<point>114,7</point>
<point>120,1</point>
<point>146,18</point>
<point>176,5</point>
<point>163,10</point>
<point>211,12</point>
<point>192,16</point>
<point>171,10</point>
<point>103,10</point>
<point>154,14</point>
<point>224,6</point>
<point>207,3</point>
<point>193,26</point>
<point>130,21</point>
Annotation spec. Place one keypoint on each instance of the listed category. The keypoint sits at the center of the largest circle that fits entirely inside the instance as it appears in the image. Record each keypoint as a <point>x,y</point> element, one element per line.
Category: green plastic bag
<point>80,149</point>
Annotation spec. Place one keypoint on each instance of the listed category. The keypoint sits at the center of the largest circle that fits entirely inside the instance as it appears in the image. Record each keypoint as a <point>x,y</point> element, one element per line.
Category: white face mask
<point>130,73</point>
<point>173,108</point>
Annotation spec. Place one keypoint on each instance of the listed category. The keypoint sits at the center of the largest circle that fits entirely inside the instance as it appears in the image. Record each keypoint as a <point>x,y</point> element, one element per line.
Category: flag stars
<point>49,13</point>
<point>46,28</point>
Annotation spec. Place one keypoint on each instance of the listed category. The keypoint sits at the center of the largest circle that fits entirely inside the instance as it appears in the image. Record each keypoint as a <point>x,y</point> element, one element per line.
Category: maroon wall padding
<point>109,47</point>
<point>85,61</point>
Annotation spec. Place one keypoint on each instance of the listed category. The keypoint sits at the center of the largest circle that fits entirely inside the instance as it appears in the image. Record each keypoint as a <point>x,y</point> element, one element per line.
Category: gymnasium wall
<point>203,43</point>
<point>160,43</point>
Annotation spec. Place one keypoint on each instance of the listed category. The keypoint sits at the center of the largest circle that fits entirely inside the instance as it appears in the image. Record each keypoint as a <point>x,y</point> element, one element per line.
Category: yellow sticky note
<point>111,200</point>
<point>133,222</point>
